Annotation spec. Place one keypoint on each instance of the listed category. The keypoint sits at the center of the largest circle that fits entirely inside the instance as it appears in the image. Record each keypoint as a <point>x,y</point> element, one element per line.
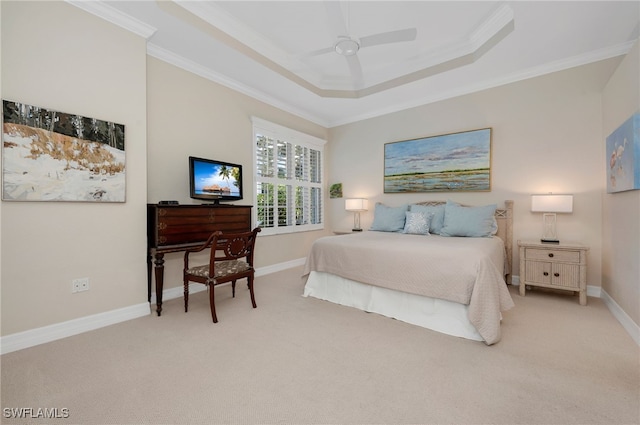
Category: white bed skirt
<point>432,313</point>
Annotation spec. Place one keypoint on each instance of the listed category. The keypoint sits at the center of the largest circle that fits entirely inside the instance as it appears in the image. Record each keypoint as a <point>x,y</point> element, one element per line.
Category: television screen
<point>212,180</point>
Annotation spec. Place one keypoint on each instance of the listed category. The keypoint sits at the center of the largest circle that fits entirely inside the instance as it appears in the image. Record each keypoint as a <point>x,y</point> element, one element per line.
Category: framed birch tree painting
<point>450,162</point>
<point>56,156</point>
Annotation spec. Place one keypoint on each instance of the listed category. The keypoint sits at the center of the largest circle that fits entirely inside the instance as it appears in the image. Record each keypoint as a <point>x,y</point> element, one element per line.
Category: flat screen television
<point>215,181</point>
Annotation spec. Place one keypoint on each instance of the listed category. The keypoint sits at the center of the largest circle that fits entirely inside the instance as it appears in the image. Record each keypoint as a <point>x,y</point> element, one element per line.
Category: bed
<point>450,278</point>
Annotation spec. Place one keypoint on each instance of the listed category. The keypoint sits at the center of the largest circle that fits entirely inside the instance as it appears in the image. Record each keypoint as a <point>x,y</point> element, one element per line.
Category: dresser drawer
<point>189,224</point>
<point>558,255</point>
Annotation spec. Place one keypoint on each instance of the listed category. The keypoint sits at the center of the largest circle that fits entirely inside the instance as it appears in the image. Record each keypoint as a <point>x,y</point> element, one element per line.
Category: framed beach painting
<point>623,156</point>
<point>449,162</point>
<point>55,156</point>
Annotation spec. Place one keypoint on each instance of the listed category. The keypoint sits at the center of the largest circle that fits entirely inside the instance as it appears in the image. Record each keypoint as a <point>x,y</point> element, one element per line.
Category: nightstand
<point>557,266</point>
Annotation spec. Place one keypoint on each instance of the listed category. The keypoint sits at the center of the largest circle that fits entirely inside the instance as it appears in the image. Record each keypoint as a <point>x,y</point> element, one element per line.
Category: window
<point>288,179</point>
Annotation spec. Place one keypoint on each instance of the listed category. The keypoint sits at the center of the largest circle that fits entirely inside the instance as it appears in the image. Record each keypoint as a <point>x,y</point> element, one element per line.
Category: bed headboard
<point>504,218</point>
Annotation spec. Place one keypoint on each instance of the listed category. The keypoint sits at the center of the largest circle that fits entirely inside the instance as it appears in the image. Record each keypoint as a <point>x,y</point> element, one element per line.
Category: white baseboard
<point>30,338</point>
<point>594,291</point>
<point>33,337</point>
<point>627,322</point>
<point>280,267</point>
<point>177,292</point>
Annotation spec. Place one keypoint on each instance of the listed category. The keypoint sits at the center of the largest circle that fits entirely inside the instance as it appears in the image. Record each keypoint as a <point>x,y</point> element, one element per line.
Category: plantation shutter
<point>288,179</point>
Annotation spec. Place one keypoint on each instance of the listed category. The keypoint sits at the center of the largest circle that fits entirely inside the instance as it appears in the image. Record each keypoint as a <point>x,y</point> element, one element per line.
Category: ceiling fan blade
<point>408,34</point>
<point>337,24</point>
<point>337,20</point>
<point>356,69</point>
<point>320,52</point>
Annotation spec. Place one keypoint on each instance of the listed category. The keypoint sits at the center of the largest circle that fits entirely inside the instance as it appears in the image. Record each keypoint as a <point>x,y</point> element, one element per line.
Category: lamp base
<point>356,230</point>
<point>552,241</point>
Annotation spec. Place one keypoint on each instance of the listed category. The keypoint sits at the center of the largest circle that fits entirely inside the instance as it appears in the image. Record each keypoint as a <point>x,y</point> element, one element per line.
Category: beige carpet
<point>296,360</point>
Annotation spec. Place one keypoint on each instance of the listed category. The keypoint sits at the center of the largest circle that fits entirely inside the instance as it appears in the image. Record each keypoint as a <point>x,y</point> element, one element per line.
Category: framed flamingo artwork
<point>623,156</point>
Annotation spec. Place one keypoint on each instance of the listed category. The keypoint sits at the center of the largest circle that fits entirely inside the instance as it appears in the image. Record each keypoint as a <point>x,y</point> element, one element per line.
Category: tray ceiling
<point>337,62</point>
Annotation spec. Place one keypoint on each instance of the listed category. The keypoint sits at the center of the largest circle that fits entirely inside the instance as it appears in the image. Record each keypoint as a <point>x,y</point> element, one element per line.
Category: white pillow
<point>417,223</point>
<point>437,221</point>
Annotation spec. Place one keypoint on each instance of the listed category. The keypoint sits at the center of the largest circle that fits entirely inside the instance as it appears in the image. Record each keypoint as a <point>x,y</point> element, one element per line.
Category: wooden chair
<point>231,259</point>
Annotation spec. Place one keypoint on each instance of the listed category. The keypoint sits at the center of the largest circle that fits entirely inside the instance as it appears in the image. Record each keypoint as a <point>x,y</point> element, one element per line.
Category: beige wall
<point>546,138</point>
<point>195,116</point>
<point>621,220</point>
<point>56,56</point>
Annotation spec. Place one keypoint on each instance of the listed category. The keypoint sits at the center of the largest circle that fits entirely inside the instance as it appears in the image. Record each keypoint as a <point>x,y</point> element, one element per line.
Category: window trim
<point>294,137</point>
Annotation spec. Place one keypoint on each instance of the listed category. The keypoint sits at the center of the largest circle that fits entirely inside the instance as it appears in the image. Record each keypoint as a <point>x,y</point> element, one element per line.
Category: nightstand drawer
<point>552,255</point>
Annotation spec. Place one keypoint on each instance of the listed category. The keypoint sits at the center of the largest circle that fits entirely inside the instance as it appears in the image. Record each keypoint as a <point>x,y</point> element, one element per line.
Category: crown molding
<point>491,26</point>
<point>471,47</point>
<point>561,65</point>
<point>110,14</point>
<point>221,19</point>
<point>204,72</point>
<point>589,57</point>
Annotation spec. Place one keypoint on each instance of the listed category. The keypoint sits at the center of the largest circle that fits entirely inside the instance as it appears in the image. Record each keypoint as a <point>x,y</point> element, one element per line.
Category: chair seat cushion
<point>222,269</point>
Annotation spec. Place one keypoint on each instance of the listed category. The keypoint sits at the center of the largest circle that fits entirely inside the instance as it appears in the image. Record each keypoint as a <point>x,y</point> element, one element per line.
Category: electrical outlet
<point>79,285</point>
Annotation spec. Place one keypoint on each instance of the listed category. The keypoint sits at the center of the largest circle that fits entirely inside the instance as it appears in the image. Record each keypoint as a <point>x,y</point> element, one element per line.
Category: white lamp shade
<point>356,204</point>
<point>552,203</point>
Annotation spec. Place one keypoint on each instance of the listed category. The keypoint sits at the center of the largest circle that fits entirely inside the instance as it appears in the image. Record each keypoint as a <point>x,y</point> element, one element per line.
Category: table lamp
<point>356,205</point>
<point>549,205</point>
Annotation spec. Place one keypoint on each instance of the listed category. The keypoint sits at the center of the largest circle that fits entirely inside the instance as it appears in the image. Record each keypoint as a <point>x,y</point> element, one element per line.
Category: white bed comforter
<point>464,270</point>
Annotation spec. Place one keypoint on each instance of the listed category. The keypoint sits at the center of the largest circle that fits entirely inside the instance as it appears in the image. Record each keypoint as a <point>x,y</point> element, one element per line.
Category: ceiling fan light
<point>347,47</point>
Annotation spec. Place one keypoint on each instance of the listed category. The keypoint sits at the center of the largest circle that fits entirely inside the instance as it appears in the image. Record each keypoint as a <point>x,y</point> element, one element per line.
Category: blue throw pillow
<point>468,221</point>
<point>437,221</point>
<point>388,219</point>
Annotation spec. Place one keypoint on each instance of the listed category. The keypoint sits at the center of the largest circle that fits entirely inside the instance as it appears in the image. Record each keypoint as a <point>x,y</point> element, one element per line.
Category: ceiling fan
<point>348,46</point>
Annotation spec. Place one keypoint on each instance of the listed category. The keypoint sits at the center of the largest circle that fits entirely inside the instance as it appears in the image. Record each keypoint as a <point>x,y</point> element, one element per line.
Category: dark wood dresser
<point>175,228</point>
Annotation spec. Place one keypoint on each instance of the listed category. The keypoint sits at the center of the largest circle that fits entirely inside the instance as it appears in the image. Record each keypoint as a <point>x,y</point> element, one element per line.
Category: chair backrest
<point>232,246</point>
